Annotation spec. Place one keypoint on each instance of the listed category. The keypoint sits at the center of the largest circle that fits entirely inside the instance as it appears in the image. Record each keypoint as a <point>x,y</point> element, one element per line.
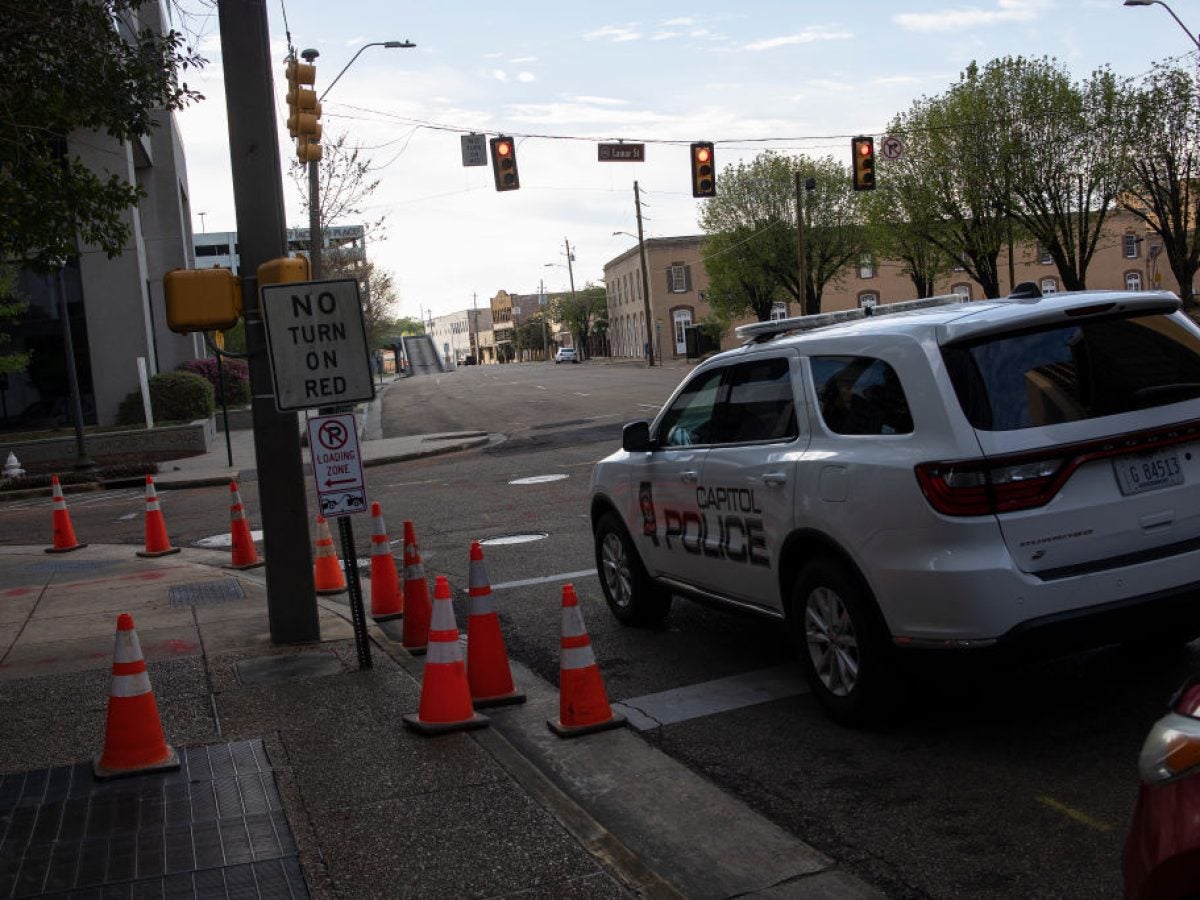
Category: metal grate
<point>54,566</point>
<point>214,828</point>
<point>206,593</point>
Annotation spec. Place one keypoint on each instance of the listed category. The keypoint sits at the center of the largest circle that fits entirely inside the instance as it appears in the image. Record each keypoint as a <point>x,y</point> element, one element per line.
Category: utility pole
<point>542,305</point>
<point>261,228</point>
<point>314,200</point>
<point>637,202</point>
<point>800,258</point>
<point>475,329</point>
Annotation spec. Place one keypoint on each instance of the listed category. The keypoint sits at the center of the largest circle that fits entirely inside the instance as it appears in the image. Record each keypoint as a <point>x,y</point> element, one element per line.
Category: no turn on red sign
<point>337,465</point>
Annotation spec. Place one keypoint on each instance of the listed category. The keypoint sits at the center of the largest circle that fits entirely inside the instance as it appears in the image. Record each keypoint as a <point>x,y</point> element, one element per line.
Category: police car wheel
<point>632,596</point>
<point>842,645</point>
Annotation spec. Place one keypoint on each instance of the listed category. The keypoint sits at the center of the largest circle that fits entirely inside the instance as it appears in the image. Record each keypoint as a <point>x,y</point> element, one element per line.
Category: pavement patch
<point>206,593</point>
<point>652,711</point>
<point>293,667</point>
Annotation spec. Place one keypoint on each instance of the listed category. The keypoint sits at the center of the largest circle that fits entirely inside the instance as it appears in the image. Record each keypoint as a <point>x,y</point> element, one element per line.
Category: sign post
<point>317,345</point>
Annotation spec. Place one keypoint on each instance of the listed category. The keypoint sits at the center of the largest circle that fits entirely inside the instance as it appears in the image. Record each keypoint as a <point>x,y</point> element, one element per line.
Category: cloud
<point>678,23</point>
<point>526,77</point>
<point>599,101</point>
<point>807,36</point>
<point>522,59</point>
<point>616,33</point>
<point>1004,12</point>
<point>498,74</point>
<point>665,35</point>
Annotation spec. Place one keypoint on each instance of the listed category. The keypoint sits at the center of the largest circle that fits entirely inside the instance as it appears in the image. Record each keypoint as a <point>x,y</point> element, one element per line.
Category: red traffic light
<point>704,178</point>
<point>503,148</point>
<point>703,154</point>
<point>504,163</point>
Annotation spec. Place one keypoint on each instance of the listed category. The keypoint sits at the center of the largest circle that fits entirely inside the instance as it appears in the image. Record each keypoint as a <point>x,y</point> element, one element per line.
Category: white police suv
<point>1022,472</point>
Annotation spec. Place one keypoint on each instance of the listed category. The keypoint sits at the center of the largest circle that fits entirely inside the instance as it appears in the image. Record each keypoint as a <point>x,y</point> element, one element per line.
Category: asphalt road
<point>991,783</point>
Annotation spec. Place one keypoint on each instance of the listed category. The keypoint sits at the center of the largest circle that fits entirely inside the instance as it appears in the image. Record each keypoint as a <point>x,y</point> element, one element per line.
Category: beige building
<point>459,334</point>
<point>1127,258</point>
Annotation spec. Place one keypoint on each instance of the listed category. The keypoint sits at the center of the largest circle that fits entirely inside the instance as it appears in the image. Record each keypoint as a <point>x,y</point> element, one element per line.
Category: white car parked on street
<point>939,474</point>
<point>565,354</point>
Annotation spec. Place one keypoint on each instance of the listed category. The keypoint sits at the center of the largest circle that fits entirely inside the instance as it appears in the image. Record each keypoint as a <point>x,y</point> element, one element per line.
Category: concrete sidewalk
<point>298,779</point>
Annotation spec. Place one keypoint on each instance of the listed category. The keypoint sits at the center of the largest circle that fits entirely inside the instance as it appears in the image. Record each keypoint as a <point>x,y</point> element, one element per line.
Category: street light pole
<point>637,202</point>
<point>1194,39</point>
<point>314,180</point>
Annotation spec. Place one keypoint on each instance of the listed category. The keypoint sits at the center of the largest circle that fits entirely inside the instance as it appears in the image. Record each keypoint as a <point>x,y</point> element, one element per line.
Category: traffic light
<point>704,177</point>
<point>304,112</point>
<point>862,151</point>
<point>504,163</point>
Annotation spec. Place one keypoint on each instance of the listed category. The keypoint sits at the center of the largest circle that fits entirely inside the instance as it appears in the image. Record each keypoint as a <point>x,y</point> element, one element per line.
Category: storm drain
<point>54,566</point>
<point>205,593</point>
<point>214,828</point>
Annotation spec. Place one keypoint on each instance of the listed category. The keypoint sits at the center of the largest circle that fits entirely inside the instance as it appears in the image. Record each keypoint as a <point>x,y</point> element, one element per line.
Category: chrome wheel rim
<point>832,641</point>
<point>615,568</point>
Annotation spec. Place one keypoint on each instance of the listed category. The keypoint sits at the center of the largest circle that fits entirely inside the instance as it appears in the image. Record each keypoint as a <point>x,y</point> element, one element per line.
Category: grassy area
<point>69,432</point>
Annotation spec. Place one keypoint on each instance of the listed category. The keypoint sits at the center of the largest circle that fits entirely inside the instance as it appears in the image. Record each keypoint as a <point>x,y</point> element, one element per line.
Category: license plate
<point>1148,471</point>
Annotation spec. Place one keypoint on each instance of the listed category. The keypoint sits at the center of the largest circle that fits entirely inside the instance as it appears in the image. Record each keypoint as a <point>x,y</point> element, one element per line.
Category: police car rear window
<point>1074,372</point>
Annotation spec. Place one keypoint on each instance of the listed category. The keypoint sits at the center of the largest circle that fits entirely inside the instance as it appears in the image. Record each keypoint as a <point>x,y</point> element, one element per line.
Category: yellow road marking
<point>1081,818</point>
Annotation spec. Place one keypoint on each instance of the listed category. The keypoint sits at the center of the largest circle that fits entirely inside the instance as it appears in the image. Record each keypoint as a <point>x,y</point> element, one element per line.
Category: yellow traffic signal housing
<point>504,163</point>
<point>202,299</point>
<point>283,268</point>
<point>304,110</point>
<point>862,152</point>
<point>308,151</point>
<point>704,178</point>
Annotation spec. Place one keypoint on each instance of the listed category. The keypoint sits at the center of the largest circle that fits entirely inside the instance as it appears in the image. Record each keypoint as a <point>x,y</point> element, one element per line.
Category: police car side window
<point>760,405</point>
<point>690,418</point>
<point>860,395</point>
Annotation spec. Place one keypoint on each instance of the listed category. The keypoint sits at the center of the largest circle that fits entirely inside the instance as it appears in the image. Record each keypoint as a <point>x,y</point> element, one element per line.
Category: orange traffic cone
<point>133,736</point>
<point>387,600</point>
<point>445,696</point>
<point>157,542</point>
<point>328,576</point>
<point>582,702</point>
<point>488,672</point>
<point>417,609</point>
<point>64,534</point>
<point>245,556</point>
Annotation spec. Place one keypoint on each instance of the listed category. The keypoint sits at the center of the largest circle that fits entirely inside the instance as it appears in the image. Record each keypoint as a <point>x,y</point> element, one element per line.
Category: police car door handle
<point>689,476</point>
<point>774,477</point>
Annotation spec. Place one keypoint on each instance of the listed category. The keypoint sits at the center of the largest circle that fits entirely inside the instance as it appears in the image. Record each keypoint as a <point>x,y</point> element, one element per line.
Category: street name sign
<point>621,152</point>
<point>337,464</point>
<point>317,343</point>
<point>474,149</point>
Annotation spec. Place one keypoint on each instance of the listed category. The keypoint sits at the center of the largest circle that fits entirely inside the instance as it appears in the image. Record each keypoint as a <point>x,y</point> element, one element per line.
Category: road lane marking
<point>547,579</point>
<point>412,483</point>
<point>1081,818</point>
<point>710,697</point>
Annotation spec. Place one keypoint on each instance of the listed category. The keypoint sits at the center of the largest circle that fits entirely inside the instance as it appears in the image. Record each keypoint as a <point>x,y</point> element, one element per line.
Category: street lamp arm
<point>1194,39</point>
<point>388,44</point>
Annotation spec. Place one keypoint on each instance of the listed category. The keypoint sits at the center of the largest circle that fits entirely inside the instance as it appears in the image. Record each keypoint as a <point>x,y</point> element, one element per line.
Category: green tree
<point>1163,184</point>
<point>750,248</point>
<point>69,66</point>
<point>11,307</point>
<point>376,292</point>
<point>578,311</point>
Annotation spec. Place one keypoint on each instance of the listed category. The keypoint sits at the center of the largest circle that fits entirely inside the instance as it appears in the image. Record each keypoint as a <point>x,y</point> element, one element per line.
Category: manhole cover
<point>538,479</point>
<point>224,540</point>
<point>205,593</point>
<point>293,667</point>
<point>514,539</point>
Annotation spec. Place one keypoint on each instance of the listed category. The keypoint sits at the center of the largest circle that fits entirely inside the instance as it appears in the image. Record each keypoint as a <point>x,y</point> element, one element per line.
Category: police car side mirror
<point>635,438</point>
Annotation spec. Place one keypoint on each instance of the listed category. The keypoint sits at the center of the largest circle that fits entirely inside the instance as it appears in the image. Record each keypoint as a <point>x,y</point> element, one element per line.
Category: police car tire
<point>870,699</point>
<point>648,603</point>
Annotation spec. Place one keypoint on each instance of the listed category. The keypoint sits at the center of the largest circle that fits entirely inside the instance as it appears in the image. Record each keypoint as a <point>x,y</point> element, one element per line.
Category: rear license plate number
<point>1148,471</point>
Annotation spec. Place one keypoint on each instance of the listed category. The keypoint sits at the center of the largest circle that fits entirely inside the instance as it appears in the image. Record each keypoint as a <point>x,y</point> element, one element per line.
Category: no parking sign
<point>337,465</point>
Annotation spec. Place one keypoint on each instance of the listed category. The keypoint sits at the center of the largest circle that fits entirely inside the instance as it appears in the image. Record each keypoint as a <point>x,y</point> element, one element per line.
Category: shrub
<point>174,397</point>
<point>235,371</point>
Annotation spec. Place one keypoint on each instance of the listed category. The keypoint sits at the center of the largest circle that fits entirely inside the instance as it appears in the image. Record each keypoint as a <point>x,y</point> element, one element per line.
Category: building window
<point>866,267</point>
<point>1133,281</point>
<point>1131,243</point>
<point>962,263</point>
<point>778,311</point>
<point>868,300</point>
<point>1044,255</point>
<point>677,278</point>
<point>1049,286</point>
<point>963,290</point>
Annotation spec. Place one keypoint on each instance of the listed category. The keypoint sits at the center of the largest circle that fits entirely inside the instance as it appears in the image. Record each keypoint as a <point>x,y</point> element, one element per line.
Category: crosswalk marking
<point>87,498</point>
<point>707,698</point>
<point>547,579</point>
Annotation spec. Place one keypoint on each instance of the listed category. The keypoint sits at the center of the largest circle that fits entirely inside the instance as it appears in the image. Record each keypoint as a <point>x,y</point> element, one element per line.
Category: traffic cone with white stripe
<point>64,534</point>
<point>488,672</point>
<point>417,608</point>
<point>133,736</point>
<point>245,556</point>
<point>582,701</point>
<point>387,600</point>
<point>328,577</point>
<point>157,542</point>
<point>445,695</point>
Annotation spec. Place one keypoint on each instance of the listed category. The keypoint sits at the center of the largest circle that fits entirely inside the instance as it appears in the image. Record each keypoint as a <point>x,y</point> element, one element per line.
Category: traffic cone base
<point>134,743</point>
<point>488,672</point>
<point>150,554</point>
<point>445,696</point>
<point>566,731</point>
<point>64,534</point>
<point>242,568</point>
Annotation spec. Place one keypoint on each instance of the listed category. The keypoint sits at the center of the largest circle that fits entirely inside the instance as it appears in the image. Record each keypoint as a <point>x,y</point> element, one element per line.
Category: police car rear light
<point>980,489</point>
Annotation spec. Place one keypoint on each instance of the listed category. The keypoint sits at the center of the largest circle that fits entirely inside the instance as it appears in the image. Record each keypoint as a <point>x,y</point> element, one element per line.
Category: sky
<point>798,77</point>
